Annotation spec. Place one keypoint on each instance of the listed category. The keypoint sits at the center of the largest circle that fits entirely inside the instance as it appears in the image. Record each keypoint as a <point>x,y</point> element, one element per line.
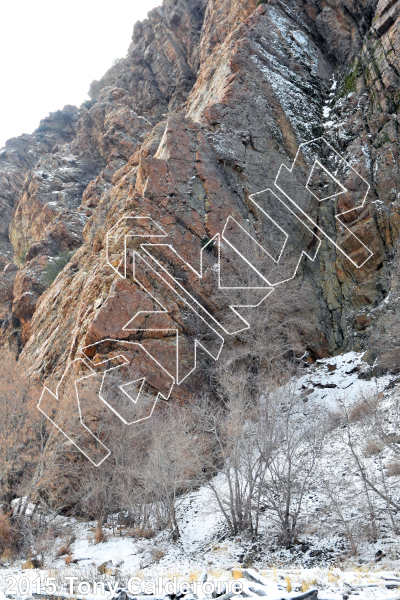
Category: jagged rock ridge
<point>210,100</point>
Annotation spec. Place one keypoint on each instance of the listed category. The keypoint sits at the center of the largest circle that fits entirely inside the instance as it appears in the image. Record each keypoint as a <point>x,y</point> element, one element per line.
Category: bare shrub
<point>9,534</point>
<point>363,408</point>
<point>20,429</point>
<point>345,524</point>
<point>373,446</point>
<point>282,328</point>
<point>99,535</point>
<point>7,555</point>
<point>393,468</point>
<point>380,493</point>
<point>157,554</point>
<point>334,419</point>
<point>32,457</point>
<point>146,533</point>
<point>63,551</point>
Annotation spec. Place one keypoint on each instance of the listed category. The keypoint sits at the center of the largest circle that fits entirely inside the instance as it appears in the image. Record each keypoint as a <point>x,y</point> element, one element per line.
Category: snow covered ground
<point>321,558</point>
<point>273,584</point>
<point>343,376</point>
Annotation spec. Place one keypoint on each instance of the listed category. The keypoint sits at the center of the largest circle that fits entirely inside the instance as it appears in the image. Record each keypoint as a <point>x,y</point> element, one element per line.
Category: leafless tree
<point>264,451</point>
<point>372,446</point>
<point>232,434</point>
<point>340,498</point>
<point>299,441</point>
<point>28,454</point>
<point>171,461</point>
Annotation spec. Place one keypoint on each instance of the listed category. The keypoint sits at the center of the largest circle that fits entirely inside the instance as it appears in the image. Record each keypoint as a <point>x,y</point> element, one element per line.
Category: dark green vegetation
<point>55,265</point>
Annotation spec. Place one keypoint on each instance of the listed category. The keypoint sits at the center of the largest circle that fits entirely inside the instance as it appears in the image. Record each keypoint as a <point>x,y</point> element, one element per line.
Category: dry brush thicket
<point>29,455</point>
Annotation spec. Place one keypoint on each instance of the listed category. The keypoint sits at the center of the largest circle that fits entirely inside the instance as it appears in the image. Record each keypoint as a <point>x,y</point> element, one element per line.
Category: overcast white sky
<point>51,50</point>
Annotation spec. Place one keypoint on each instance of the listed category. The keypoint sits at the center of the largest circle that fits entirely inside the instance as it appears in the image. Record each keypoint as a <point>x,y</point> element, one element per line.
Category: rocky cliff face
<point>213,96</point>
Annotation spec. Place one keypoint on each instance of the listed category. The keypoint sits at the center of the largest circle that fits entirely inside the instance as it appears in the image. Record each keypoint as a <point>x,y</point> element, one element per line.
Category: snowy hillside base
<point>272,584</point>
<point>264,568</point>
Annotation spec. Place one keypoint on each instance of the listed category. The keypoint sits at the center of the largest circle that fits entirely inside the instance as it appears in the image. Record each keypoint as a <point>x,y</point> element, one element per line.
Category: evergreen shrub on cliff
<point>55,265</point>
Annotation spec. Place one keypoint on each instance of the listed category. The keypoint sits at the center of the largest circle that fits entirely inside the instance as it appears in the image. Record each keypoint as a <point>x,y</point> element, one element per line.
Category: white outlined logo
<point>241,272</point>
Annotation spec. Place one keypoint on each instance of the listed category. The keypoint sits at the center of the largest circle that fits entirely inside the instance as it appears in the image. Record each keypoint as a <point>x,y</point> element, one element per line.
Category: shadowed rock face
<point>211,99</point>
